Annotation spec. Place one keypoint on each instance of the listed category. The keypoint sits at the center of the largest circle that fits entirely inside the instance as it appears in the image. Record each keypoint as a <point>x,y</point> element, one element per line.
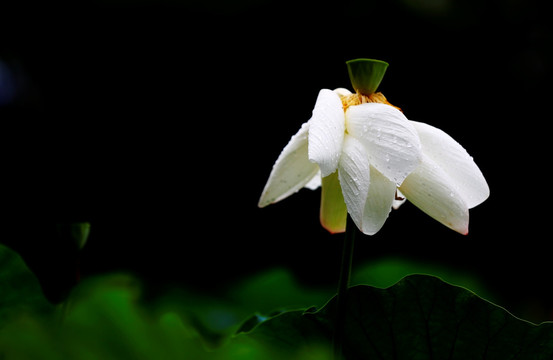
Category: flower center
<point>358,99</point>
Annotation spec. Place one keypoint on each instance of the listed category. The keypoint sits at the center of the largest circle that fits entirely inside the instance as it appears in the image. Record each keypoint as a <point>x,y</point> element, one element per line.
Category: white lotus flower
<point>362,150</point>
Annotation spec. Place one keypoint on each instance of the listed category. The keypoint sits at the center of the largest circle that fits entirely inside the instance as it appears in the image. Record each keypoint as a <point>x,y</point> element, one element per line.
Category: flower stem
<point>343,285</point>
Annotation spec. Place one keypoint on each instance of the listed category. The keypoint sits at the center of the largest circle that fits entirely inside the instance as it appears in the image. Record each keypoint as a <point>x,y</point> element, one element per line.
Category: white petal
<point>464,174</point>
<point>314,183</point>
<point>354,175</point>
<point>392,141</point>
<point>291,171</point>
<point>379,202</point>
<point>431,190</point>
<point>367,193</point>
<point>326,131</point>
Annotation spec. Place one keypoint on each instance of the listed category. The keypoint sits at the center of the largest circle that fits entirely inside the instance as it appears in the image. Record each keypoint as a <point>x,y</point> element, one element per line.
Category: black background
<point>159,122</point>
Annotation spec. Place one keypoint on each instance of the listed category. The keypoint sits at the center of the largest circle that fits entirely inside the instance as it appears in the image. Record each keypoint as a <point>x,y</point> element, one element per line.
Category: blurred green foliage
<point>20,291</point>
<point>108,317</point>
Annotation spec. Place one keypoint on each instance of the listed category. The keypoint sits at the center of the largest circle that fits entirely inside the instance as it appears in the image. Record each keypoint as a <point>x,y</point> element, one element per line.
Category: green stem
<point>343,285</point>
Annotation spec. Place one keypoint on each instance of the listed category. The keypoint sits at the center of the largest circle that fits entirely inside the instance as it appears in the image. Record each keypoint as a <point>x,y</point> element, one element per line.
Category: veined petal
<point>291,171</point>
<point>392,141</point>
<point>354,174</point>
<point>464,174</point>
<point>367,193</point>
<point>333,213</point>
<point>326,131</point>
<point>430,188</point>
<point>379,202</point>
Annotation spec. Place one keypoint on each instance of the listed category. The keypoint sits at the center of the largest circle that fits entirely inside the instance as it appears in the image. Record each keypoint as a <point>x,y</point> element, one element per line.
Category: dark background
<point>159,122</point>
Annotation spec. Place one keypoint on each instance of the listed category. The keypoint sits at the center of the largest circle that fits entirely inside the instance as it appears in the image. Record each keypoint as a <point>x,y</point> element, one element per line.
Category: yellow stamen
<point>358,99</point>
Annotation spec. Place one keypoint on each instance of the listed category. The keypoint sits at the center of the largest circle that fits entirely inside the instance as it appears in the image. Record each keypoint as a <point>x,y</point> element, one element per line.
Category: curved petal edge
<point>447,153</point>
<point>430,189</point>
<point>391,140</point>
<point>326,132</point>
<point>292,170</point>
